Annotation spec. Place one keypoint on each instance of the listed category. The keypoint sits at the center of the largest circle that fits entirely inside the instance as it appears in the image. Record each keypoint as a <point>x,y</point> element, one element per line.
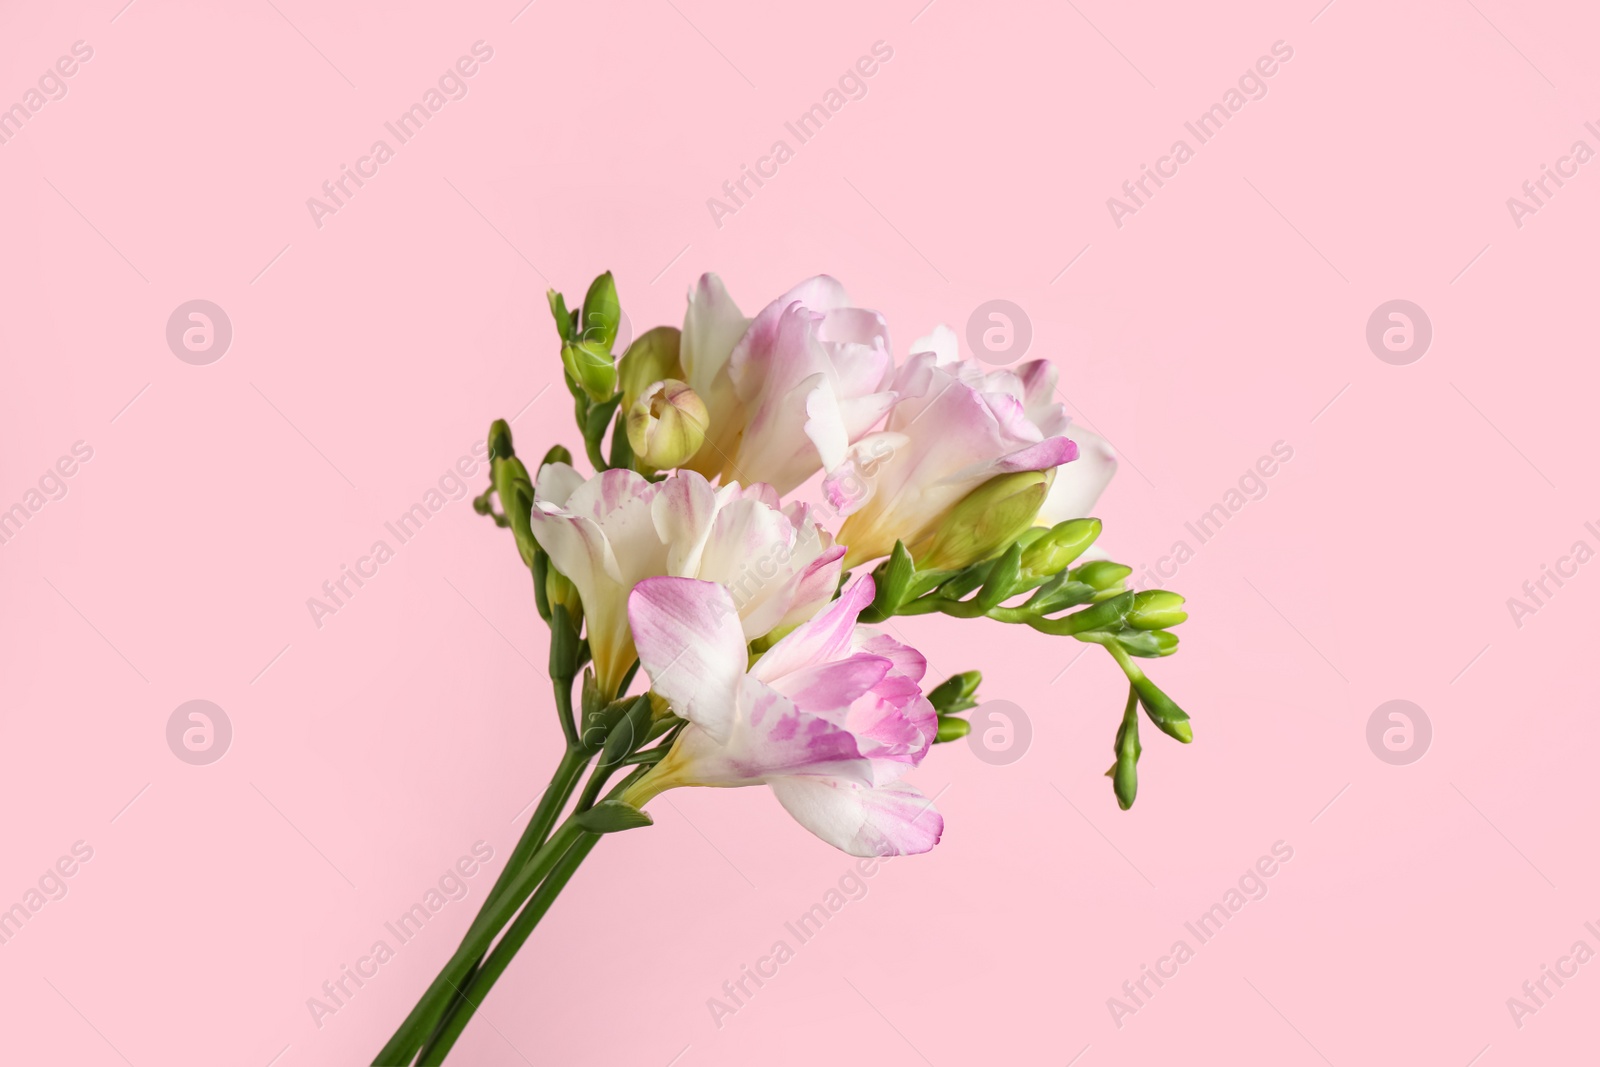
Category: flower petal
<point>1079,484</point>
<point>887,820</point>
<point>826,637</point>
<point>692,645</point>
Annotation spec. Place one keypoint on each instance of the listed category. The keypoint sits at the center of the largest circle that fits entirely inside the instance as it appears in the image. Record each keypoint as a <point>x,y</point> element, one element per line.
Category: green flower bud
<point>1156,609</point>
<point>951,729</point>
<point>1163,711</point>
<point>602,313</point>
<point>558,310</point>
<point>955,693</point>
<point>500,440</point>
<point>1058,547</point>
<point>1124,773</point>
<point>1147,644</point>
<point>986,521</point>
<point>667,424</point>
<point>1103,576</point>
<point>651,358</point>
<point>589,365</point>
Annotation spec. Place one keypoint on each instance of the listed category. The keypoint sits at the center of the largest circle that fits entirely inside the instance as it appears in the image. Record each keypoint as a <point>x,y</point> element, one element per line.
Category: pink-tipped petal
<point>887,820</point>
<point>692,645</point>
<point>824,638</point>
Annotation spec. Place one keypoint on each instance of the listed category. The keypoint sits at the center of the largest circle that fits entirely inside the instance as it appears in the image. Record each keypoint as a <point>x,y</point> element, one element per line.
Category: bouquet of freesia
<point>751,620</point>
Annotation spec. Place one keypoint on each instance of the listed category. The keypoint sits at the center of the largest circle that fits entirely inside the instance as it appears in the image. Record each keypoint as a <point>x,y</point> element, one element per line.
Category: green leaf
<point>613,816</point>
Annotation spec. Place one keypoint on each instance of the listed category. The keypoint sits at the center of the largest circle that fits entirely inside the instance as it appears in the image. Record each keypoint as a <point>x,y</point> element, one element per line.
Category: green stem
<point>466,1002</point>
<point>411,1033</point>
<point>471,996</point>
<point>436,1001</point>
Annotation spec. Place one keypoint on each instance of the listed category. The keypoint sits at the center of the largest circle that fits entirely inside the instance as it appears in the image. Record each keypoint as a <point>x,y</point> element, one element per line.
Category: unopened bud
<point>1103,576</point>
<point>652,357</point>
<point>589,365</point>
<point>1156,609</point>
<point>986,521</point>
<point>667,424</point>
<point>955,693</point>
<point>1059,547</point>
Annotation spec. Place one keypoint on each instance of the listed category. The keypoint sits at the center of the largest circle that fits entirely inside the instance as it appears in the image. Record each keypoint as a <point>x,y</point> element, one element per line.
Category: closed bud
<point>589,365</point>
<point>1058,547</point>
<point>558,311</point>
<point>1103,576</point>
<point>951,729</point>
<point>955,693</point>
<point>602,313</point>
<point>986,521</point>
<point>667,424</point>
<point>500,440</point>
<point>652,357</point>
<point>1156,609</point>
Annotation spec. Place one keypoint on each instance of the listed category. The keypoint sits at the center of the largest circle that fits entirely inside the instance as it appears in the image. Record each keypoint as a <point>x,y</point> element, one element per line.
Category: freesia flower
<point>789,391</point>
<point>610,532</point>
<point>957,426</point>
<point>831,716</point>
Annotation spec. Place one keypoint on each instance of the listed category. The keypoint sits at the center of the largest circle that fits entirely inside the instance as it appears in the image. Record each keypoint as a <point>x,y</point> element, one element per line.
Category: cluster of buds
<point>990,564</point>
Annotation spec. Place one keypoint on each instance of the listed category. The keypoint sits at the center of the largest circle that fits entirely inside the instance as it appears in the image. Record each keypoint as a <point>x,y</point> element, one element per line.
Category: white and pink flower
<point>789,391</point>
<point>831,717</point>
<point>609,532</point>
<point>956,426</point>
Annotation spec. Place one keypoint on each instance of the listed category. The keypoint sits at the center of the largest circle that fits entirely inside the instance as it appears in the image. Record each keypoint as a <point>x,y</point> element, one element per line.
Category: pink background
<point>368,355</point>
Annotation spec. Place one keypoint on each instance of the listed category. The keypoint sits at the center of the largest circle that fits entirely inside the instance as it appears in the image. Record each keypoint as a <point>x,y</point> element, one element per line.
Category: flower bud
<point>602,313</point>
<point>1156,609</point>
<point>955,693</point>
<point>667,424</point>
<point>652,357</point>
<point>1059,547</point>
<point>1103,576</point>
<point>986,521</point>
<point>589,365</point>
<point>951,729</point>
